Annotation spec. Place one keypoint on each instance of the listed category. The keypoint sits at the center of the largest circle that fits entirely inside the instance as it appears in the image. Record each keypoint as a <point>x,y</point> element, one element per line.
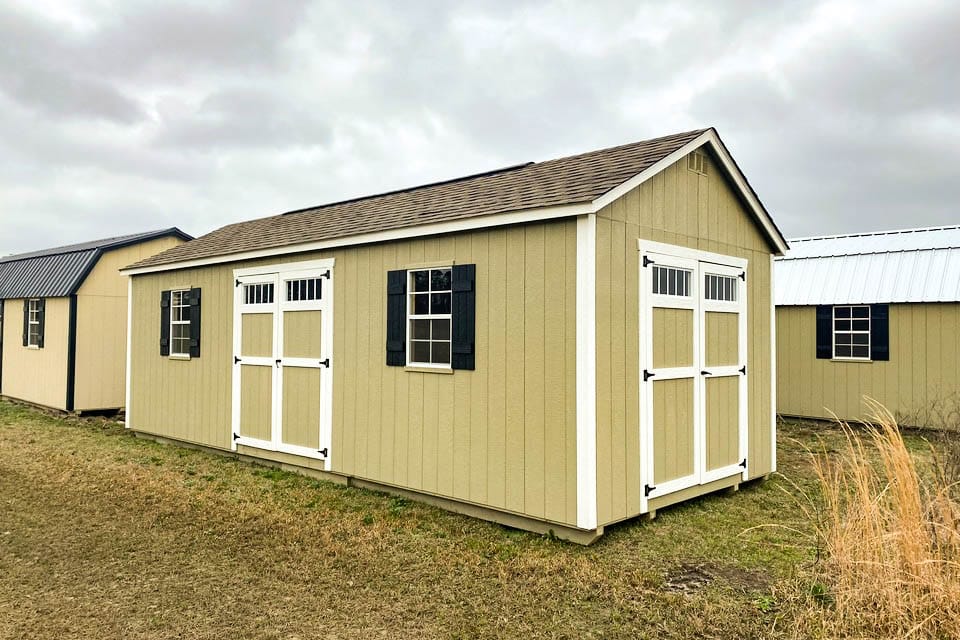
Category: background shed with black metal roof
<point>63,321</point>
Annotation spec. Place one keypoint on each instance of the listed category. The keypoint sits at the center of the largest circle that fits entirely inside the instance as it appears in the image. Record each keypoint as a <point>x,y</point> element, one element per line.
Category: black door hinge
<point>237,283</point>
<point>647,375</point>
<point>325,274</point>
<point>647,488</point>
<point>236,359</point>
<point>743,369</point>
<point>325,363</point>
<point>705,373</point>
<point>743,463</point>
<point>647,261</point>
<point>743,276</point>
<point>236,436</point>
<point>323,452</point>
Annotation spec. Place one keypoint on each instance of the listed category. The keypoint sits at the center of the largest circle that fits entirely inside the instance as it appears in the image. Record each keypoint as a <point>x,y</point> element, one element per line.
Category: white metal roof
<point>910,265</point>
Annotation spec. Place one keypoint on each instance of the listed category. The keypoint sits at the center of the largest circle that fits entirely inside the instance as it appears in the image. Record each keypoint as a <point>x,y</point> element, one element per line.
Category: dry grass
<point>890,531</point>
<point>106,536</point>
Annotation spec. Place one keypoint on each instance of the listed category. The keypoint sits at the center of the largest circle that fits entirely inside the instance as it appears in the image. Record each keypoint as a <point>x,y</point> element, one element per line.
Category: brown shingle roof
<point>571,180</point>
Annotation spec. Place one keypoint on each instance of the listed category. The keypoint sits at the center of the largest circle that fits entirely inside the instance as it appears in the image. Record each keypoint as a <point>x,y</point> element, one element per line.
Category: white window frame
<point>428,316</point>
<point>33,320</point>
<point>184,293</point>
<point>834,331</point>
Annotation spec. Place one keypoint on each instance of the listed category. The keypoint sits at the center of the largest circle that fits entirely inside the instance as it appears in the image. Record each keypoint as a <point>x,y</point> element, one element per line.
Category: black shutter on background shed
<point>164,323</point>
<point>396,318</point>
<point>824,331</point>
<point>194,302</point>
<point>462,349</point>
<point>26,322</point>
<point>879,332</point>
<point>42,319</point>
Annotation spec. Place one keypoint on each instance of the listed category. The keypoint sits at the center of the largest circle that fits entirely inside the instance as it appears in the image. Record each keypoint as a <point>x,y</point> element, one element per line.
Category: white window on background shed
<point>851,332</point>
<point>33,323</point>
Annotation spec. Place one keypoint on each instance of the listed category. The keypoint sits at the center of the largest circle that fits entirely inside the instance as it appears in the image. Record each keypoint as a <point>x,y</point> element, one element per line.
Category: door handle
<point>278,361</point>
<point>705,373</point>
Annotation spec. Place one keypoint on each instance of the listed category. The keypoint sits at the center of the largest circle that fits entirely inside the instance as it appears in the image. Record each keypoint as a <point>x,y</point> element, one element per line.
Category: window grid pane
<point>430,301</point>
<point>851,332</point>
<point>671,281</point>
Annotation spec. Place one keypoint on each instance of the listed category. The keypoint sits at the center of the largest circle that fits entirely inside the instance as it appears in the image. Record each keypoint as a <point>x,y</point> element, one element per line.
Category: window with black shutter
<point>34,312</point>
<point>180,323</point>
<point>853,332</point>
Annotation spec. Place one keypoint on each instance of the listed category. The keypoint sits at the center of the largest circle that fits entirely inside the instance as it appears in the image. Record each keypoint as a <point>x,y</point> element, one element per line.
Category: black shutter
<point>462,354</point>
<point>42,319</point>
<point>194,301</point>
<point>396,318</point>
<point>824,331</point>
<point>164,323</point>
<point>26,322</point>
<point>879,332</point>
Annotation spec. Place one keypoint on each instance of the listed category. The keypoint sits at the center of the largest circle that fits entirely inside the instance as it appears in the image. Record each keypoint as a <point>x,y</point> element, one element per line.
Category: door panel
<point>673,337</point>
<point>256,402</point>
<point>722,422</point>
<point>257,334</point>
<point>722,339</point>
<point>673,429</point>
<point>301,407</point>
<point>301,334</point>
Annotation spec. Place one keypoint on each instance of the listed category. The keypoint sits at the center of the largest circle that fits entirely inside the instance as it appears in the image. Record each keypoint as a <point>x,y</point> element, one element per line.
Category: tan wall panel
<point>31,374</point>
<point>673,438</point>
<point>301,407</point>
<point>256,334</point>
<point>256,404</point>
<point>102,327</point>
<point>503,435</point>
<point>672,338</point>
<point>301,334</point>
<point>722,339</point>
<point>723,428</point>
<point>682,208</point>
<point>920,383</point>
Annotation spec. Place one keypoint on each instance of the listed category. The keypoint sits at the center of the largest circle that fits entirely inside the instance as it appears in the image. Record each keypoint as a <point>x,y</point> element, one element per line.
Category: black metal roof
<point>57,272</point>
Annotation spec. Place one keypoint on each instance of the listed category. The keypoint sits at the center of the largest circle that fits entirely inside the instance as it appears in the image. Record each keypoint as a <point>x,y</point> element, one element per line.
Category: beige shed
<point>871,315</point>
<point>555,346</point>
<point>63,321</point>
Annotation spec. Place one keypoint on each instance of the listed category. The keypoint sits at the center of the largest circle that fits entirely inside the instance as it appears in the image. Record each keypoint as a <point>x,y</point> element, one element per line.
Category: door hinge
<point>743,463</point>
<point>647,375</point>
<point>647,488</point>
<point>325,274</point>
<point>705,373</point>
<point>743,276</point>
<point>647,261</point>
<point>236,283</point>
<point>323,452</point>
<point>743,369</point>
<point>325,363</point>
<point>236,359</point>
<point>236,436</point>
<point>279,361</point>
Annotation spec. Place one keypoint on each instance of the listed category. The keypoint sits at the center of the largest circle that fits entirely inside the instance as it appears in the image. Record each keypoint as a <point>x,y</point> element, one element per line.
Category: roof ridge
<point>92,245</point>
<point>866,234</point>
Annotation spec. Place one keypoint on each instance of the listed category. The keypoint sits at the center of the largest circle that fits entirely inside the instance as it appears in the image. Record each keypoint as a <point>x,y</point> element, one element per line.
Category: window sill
<point>853,360</point>
<point>179,357</point>
<point>33,347</point>
<point>416,369</point>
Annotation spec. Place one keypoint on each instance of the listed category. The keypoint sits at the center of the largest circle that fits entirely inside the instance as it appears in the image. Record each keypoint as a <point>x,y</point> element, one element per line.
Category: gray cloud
<point>120,117</point>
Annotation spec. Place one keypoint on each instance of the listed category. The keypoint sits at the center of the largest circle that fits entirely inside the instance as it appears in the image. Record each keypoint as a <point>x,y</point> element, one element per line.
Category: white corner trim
<point>586,372</point>
<point>126,402</point>
<point>773,373</point>
<point>453,226</point>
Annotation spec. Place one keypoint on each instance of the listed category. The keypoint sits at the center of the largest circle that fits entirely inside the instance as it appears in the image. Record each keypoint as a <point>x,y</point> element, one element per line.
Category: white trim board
<point>707,138</point>
<point>586,372</point>
<point>126,402</point>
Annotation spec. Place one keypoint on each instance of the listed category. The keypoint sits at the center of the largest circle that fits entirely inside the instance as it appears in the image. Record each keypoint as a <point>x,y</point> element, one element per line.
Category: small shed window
<point>716,287</point>
<point>180,322</point>
<point>261,293</point>
<point>34,323</point>
<point>671,281</point>
<point>429,309</point>
<point>304,289</point>
<point>851,332</point>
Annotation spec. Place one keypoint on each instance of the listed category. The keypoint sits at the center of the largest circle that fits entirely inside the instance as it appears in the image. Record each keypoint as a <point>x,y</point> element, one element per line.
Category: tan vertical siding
<point>31,374</point>
<point>102,327</point>
<point>502,436</point>
<point>678,207</point>
<point>920,383</point>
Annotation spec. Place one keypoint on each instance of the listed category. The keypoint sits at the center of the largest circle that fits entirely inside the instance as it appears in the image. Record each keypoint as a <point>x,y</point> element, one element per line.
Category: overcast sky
<point>118,117</point>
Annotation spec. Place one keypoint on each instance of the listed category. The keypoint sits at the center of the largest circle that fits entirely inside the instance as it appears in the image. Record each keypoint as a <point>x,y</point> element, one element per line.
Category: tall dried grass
<point>890,536</point>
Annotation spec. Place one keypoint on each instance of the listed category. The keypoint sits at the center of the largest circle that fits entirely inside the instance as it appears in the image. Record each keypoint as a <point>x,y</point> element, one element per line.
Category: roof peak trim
<point>867,234</point>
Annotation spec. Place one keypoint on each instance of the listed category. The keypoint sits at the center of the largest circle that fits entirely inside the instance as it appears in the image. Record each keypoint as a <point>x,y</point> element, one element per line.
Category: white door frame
<point>278,275</point>
<point>699,262</point>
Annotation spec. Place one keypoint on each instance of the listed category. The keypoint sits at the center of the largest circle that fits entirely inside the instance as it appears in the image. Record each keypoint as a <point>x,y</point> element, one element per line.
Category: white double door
<point>283,358</point>
<point>693,374</point>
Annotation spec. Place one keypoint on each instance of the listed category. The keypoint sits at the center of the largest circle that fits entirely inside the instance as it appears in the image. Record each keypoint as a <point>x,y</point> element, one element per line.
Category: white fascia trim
<point>586,372</point>
<point>454,226</point>
<point>773,372</point>
<point>706,138</point>
<point>126,402</point>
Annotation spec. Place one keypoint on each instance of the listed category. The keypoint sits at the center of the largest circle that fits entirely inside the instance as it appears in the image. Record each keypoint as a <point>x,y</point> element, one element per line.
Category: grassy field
<point>103,535</point>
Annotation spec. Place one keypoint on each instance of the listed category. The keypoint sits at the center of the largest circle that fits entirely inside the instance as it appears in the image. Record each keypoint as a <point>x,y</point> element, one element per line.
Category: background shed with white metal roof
<point>871,315</point>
